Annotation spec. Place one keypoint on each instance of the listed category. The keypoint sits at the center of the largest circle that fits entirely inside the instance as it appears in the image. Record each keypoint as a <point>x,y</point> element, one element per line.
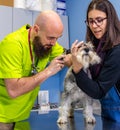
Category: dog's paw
<point>63,126</point>
<point>90,119</point>
<point>62,120</point>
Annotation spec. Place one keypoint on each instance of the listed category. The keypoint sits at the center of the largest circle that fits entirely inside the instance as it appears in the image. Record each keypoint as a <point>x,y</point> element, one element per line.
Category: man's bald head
<point>47,29</point>
<point>49,19</point>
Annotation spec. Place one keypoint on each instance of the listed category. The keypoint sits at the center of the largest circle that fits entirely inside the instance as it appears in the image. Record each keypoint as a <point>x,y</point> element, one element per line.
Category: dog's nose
<point>86,49</point>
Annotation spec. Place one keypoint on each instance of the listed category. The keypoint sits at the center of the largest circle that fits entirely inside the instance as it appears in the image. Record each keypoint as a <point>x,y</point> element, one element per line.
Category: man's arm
<point>20,86</point>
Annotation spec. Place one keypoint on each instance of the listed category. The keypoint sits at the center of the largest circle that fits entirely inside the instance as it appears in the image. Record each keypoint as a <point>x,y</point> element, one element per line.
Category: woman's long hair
<point>112,35</point>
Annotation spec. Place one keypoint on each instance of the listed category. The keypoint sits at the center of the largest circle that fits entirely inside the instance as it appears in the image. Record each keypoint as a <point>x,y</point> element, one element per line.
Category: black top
<point>109,76</point>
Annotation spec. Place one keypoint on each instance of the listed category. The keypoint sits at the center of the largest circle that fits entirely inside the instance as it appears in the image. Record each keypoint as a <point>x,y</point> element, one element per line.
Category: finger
<point>77,44</point>
<point>74,43</point>
<point>60,57</point>
<point>74,49</point>
<point>60,65</point>
<point>80,44</point>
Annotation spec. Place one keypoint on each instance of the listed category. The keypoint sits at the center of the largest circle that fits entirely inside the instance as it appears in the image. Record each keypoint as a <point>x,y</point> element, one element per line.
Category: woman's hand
<point>76,66</point>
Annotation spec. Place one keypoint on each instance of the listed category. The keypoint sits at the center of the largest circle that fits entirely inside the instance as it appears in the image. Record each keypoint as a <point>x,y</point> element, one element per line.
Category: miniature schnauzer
<point>72,94</point>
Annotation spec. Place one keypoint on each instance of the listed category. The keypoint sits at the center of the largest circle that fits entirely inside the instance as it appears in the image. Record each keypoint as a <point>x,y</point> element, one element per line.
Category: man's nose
<point>53,41</point>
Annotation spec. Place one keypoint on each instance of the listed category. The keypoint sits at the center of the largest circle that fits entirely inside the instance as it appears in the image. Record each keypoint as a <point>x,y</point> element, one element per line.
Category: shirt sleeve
<point>10,59</point>
<point>108,77</point>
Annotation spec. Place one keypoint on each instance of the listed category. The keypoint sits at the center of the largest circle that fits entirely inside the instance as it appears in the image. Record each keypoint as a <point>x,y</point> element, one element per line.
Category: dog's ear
<point>90,45</point>
<point>95,60</point>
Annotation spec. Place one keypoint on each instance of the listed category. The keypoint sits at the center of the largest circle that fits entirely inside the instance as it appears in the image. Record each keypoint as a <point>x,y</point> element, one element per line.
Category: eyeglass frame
<point>95,21</point>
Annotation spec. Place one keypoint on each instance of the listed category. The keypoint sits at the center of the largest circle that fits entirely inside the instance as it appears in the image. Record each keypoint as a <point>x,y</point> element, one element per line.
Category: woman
<point>103,30</point>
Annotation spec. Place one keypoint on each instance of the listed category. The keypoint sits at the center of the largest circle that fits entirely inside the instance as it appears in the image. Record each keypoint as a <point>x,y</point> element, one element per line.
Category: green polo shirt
<point>15,62</point>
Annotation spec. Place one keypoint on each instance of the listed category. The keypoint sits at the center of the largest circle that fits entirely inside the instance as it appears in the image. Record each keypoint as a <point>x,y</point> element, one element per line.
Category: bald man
<point>24,55</point>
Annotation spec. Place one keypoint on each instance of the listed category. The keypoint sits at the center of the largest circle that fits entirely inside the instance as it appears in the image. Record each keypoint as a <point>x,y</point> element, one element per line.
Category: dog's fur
<point>72,93</point>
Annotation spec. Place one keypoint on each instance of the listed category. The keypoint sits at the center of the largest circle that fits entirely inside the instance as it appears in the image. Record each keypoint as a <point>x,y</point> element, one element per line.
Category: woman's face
<point>97,22</point>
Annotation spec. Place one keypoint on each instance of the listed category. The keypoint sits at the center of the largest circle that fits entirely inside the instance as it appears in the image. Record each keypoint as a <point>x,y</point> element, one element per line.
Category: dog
<point>72,94</point>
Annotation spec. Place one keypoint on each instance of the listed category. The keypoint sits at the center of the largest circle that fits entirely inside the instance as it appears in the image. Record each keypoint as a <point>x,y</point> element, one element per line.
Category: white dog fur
<point>72,93</point>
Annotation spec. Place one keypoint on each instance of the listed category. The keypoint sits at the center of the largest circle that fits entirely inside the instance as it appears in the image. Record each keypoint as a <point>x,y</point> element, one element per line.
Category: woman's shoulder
<point>113,55</point>
<point>115,50</point>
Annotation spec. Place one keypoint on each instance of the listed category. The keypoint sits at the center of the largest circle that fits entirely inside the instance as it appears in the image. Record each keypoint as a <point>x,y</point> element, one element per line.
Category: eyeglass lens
<point>98,21</point>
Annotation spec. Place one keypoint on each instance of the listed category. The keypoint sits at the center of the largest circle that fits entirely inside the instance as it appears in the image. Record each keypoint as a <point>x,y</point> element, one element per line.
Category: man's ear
<point>36,28</point>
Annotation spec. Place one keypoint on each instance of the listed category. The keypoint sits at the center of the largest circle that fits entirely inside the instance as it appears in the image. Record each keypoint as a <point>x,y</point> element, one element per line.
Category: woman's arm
<point>107,78</point>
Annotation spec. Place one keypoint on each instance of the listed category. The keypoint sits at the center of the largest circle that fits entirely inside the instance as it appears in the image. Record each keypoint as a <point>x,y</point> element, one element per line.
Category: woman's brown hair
<point>112,36</point>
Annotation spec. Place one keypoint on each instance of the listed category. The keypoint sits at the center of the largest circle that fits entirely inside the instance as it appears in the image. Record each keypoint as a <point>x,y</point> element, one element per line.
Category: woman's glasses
<point>98,21</point>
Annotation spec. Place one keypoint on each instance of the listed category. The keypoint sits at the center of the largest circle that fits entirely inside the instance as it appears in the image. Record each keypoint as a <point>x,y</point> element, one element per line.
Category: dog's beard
<point>89,57</point>
<point>84,60</point>
<point>39,49</point>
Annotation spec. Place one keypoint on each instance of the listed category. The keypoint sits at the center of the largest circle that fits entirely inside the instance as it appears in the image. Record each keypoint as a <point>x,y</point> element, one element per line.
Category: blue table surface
<point>49,122</point>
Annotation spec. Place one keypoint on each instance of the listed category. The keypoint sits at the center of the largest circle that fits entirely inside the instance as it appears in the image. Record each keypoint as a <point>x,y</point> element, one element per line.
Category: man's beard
<point>39,49</point>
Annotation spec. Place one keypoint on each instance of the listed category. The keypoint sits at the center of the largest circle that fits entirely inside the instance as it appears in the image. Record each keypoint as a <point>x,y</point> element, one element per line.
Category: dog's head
<point>87,55</point>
